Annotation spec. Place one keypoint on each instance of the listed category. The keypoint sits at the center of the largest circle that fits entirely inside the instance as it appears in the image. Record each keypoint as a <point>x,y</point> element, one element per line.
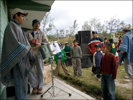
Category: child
<point>76,55</point>
<point>108,71</point>
<point>97,59</point>
<point>60,59</point>
<point>113,50</point>
<point>92,42</point>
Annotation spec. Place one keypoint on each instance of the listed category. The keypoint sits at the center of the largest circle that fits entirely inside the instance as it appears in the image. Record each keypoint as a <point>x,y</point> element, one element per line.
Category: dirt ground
<point>128,83</point>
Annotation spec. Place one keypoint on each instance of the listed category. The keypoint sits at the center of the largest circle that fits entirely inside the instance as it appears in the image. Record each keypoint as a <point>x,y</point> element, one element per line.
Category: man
<point>16,52</point>
<point>126,49</point>
<point>35,36</point>
<point>91,45</point>
<point>76,55</point>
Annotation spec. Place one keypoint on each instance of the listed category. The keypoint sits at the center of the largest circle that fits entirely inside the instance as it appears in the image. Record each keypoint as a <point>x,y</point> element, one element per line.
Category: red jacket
<point>91,44</point>
<point>119,43</point>
<point>109,65</point>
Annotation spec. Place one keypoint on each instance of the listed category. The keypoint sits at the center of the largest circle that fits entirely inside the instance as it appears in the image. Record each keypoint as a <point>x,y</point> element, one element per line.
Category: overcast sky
<point>65,12</point>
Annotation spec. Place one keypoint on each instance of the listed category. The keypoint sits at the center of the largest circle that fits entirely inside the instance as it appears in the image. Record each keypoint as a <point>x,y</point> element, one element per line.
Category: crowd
<point>106,56</point>
<point>22,61</point>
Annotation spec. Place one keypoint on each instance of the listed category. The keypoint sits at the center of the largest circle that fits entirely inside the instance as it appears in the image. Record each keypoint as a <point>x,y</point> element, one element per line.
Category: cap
<point>35,21</point>
<point>18,10</point>
<point>127,28</point>
<point>98,45</point>
<point>75,41</point>
<point>94,32</point>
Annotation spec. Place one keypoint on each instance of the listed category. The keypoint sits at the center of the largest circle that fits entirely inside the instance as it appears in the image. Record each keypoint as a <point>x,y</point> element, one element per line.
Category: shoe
<point>39,91</point>
<point>126,77</point>
<point>34,91</point>
<point>98,76</point>
<point>99,79</point>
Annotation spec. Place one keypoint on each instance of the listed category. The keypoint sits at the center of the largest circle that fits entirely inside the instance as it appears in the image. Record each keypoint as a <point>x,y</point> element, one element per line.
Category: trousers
<point>108,87</point>
<point>36,75</point>
<point>128,68</point>
<point>63,67</point>
<point>76,62</point>
<point>20,83</point>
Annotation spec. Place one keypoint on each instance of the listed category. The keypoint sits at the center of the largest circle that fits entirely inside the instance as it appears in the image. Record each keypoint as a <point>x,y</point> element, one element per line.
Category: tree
<point>47,24</point>
<point>73,29</point>
<point>100,27</point>
<point>86,26</point>
<point>62,33</point>
<point>57,33</point>
<point>114,25</point>
<point>96,25</point>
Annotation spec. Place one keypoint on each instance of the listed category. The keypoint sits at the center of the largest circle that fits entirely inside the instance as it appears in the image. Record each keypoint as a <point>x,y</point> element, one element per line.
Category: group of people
<point>105,61</point>
<point>22,61</point>
<point>104,64</point>
<point>75,53</point>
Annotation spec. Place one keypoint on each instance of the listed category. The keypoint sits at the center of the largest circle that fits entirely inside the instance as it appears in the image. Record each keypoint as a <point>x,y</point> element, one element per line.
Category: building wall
<point>3,24</point>
<point>3,21</point>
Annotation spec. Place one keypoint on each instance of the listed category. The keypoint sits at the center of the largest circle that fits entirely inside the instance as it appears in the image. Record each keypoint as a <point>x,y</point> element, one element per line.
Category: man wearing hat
<point>93,41</point>
<point>36,36</point>
<point>16,53</point>
<point>126,49</point>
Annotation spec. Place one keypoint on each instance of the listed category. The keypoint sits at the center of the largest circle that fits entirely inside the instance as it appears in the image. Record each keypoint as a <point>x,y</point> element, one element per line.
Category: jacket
<point>109,65</point>
<point>127,46</point>
<point>91,44</point>
<point>63,57</point>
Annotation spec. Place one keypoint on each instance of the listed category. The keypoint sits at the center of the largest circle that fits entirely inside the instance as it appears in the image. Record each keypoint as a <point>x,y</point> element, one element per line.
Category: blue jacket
<point>97,58</point>
<point>127,46</point>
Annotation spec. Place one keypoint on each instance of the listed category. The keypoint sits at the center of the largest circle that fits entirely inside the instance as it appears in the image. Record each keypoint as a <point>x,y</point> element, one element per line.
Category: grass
<point>89,84</point>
